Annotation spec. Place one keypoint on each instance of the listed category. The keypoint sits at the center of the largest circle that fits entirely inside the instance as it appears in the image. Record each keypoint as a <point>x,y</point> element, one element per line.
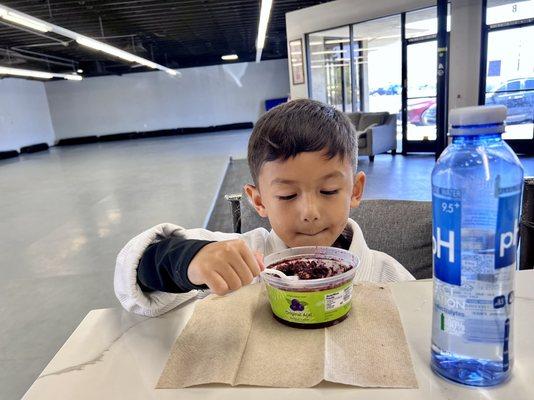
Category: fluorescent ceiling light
<point>43,26</point>
<point>335,41</point>
<point>330,41</point>
<point>230,57</point>
<point>114,51</point>
<point>147,63</point>
<point>368,49</point>
<point>322,61</point>
<point>370,38</point>
<point>37,74</point>
<point>72,77</point>
<point>328,66</point>
<point>25,72</point>
<point>80,71</point>
<point>330,51</point>
<point>23,20</point>
<point>105,48</point>
<point>355,38</point>
<point>265,14</point>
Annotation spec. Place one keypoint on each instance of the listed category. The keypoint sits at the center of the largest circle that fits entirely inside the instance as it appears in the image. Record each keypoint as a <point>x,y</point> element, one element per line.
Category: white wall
<point>203,96</point>
<point>24,114</point>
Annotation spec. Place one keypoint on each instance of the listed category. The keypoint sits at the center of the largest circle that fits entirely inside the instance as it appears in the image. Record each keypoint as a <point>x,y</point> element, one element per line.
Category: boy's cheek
<point>278,211</point>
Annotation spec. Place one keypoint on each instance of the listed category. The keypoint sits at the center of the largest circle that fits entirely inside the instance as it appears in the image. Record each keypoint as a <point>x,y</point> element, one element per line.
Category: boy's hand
<point>225,266</point>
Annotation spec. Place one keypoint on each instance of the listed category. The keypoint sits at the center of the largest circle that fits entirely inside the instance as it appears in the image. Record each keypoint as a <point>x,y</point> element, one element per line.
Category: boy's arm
<point>164,265</point>
<point>153,303</point>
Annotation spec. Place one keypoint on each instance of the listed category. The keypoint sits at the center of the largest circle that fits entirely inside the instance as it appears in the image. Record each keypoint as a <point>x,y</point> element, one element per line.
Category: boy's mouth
<point>312,234</point>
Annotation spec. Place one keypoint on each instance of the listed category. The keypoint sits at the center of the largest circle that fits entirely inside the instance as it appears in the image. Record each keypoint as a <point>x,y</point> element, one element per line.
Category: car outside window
<point>513,85</point>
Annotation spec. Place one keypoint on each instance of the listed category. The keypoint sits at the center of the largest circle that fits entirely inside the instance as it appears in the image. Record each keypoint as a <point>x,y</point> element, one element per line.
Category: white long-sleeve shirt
<point>375,266</point>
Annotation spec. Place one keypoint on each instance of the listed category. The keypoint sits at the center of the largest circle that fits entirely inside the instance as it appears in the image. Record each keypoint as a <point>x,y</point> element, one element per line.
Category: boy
<point>302,157</point>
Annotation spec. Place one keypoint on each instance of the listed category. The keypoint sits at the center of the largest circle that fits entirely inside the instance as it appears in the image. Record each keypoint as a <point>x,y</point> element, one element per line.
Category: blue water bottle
<point>476,196</point>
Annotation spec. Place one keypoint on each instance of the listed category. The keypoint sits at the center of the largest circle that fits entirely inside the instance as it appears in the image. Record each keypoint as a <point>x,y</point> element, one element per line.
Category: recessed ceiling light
<point>230,57</point>
<point>80,71</point>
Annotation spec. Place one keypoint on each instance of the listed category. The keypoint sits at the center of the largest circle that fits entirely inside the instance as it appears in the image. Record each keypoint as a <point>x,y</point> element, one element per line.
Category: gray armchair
<point>377,132</point>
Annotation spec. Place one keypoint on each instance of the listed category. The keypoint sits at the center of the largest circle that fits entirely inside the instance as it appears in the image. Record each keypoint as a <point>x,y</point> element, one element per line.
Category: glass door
<point>421,96</point>
<point>420,79</point>
<point>377,62</point>
<point>329,67</point>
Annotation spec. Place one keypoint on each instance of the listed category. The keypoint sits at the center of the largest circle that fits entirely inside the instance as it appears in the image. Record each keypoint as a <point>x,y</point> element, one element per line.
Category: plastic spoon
<point>280,274</point>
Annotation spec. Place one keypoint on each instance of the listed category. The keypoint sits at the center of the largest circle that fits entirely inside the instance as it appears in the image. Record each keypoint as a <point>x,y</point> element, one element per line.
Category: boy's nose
<point>311,211</point>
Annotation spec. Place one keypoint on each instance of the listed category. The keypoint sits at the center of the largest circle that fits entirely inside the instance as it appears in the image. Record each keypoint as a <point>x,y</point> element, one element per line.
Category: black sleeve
<point>164,265</point>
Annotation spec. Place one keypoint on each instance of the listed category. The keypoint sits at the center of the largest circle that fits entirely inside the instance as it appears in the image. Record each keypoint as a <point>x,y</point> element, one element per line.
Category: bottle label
<point>507,229</point>
<point>474,254</point>
<point>447,213</point>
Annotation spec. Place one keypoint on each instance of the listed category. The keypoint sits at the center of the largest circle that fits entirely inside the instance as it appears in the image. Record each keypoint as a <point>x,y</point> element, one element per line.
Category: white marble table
<point>115,355</point>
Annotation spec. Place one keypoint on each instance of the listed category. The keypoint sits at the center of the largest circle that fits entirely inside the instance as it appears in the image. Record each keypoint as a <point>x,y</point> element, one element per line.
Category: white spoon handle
<point>280,274</point>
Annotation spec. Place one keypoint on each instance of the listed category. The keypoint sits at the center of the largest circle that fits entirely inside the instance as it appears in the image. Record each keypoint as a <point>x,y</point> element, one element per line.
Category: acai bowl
<point>317,289</point>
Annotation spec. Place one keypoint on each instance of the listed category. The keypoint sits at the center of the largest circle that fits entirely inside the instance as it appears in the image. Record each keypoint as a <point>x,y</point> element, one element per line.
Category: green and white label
<point>311,307</point>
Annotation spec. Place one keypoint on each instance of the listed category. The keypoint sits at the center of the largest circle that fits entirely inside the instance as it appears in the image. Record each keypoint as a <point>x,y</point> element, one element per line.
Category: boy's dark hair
<point>301,126</point>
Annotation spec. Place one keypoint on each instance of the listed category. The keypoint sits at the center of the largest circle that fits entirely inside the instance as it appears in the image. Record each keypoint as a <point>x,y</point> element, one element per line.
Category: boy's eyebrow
<point>334,174</point>
<point>280,181</point>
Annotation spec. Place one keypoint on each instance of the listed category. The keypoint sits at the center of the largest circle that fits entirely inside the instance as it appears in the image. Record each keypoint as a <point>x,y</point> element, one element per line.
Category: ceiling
<point>177,34</point>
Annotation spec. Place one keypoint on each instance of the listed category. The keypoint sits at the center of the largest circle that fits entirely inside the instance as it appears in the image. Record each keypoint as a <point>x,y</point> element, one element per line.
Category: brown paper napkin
<point>235,340</point>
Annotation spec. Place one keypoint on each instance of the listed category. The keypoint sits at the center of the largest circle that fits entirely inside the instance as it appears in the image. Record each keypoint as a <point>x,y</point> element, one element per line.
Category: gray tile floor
<point>64,214</point>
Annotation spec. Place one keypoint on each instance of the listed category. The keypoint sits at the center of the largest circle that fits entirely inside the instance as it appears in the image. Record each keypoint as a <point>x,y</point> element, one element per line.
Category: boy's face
<point>307,198</point>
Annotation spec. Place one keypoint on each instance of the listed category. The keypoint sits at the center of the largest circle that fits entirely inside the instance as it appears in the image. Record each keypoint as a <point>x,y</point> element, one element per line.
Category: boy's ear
<point>357,189</point>
<point>254,197</point>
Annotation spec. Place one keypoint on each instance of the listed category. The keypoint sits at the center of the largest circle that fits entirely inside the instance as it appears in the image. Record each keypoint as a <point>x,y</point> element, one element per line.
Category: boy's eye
<point>329,192</point>
<point>287,197</point>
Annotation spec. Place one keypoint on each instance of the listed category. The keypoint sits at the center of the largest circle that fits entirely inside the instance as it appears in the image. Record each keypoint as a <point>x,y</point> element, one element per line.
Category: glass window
<point>422,90</point>
<point>512,84</point>
<point>377,63</point>
<point>502,88</point>
<point>421,65</point>
<point>329,53</point>
<point>500,11</point>
<point>375,68</point>
<point>424,22</point>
